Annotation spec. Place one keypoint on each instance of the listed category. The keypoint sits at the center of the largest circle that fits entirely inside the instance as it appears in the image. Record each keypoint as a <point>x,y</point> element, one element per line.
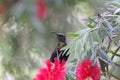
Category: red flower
<point>41,9</point>
<point>3,8</point>
<point>52,71</point>
<point>85,70</point>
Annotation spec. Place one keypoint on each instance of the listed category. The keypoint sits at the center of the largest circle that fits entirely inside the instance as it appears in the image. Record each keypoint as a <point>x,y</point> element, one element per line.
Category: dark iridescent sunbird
<point>61,54</point>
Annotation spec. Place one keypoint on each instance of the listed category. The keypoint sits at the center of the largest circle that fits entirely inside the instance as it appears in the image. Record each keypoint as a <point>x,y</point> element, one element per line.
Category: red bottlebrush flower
<point>3,8</point>
<point>85,70</point>
<point>41,9</point>
<point>52,71</point>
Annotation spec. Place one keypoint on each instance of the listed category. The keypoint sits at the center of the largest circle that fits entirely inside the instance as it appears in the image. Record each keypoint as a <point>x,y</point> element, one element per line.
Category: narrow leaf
<point>104,56</point>
<point>90,26</point>
<point>72,34</point>
<point>91,42</point>
<point>97,38</point>
<point>107,24</point>
<point>92,20</point>
<point>117,11</point>
<point>83,31</point>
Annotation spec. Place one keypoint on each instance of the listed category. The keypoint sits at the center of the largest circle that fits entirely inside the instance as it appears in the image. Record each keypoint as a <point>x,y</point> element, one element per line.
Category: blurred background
<point>25,31</point>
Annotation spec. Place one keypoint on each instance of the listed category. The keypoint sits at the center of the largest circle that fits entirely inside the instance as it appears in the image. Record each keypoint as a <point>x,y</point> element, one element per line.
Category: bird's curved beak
<point>54,33</point>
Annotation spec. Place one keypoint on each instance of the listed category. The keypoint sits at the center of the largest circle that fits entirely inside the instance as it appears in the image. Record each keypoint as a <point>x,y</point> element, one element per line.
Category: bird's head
<point>61,38</point>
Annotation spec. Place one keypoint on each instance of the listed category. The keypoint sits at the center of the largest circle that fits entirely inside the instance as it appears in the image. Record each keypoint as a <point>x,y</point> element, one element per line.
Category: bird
<point>58,53</point>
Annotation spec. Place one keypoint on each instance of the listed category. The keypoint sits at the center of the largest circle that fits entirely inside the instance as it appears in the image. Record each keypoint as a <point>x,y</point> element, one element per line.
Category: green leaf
<point>83,31</point>
<point>71,48</point>
<point>97,38</point>
<point>73,34</point>
<point>117,11</point>
<point>78,33</point>
<point>92,20</point>
<point>85,41</point>
<point>90,26</point>
<point>108,24</point>
<point>103,56</point>
<point>91,42</point>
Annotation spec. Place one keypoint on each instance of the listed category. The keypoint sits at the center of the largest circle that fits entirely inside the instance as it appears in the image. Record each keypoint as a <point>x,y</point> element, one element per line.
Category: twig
<point>109,45</point>
<point>110,51</point>
<point>115,53</point>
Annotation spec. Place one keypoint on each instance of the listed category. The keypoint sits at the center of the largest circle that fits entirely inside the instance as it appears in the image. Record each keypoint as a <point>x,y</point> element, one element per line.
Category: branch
<point>109,45</point>
<point>115,53</point>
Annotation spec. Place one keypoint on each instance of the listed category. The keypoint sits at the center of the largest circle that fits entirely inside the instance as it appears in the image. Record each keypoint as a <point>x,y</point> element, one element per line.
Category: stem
<point>115,53</point>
